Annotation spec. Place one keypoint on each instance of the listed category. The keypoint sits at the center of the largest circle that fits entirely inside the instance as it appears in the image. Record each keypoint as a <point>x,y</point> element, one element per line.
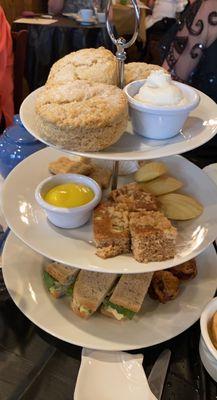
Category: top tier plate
<point>199,128</point>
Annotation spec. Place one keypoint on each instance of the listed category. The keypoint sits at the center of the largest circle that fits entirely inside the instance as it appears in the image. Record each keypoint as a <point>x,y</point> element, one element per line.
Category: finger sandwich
<point>59,278</point>
<point>127,297</point>
<point>89,291</point>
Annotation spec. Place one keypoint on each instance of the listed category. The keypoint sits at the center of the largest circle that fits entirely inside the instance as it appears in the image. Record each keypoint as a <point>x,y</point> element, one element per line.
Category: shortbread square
<point>153,238</point>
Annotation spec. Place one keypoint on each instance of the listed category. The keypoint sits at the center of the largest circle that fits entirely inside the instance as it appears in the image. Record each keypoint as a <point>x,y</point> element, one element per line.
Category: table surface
<point>62,22</point>
<point>24,348</point>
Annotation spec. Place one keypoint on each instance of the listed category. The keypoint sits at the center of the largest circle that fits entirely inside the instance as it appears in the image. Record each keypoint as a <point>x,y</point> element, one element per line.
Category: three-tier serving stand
<point>76,249</point>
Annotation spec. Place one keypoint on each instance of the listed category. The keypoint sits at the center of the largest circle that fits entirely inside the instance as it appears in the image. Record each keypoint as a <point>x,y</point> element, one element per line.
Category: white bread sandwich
<point>89,291</point>
<point>127,297</point>
<point>59,278</point>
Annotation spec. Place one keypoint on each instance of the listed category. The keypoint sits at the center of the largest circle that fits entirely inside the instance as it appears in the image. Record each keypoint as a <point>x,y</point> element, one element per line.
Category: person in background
<point>190,55</point>
<point>163,9</point>
<point>162,16</point>
<point>66,6</point>
<point>6,73</point>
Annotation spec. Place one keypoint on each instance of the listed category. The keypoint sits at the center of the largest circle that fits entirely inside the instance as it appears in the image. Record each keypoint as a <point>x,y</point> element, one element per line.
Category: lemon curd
<point>69,195</point>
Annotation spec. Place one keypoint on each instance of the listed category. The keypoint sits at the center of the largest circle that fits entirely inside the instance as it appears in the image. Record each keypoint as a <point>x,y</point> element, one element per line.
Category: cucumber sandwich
<point>59,278</point>
<point>127,297</point>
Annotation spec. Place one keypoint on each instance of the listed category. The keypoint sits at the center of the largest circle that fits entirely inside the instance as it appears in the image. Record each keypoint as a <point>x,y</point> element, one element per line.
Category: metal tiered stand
<point>121,45</point>
<point>75,247</point>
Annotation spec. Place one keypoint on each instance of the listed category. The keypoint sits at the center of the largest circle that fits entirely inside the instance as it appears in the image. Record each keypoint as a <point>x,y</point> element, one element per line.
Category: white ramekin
<point>68,217</point>
<point>159,122</point>
<point>208,352</point>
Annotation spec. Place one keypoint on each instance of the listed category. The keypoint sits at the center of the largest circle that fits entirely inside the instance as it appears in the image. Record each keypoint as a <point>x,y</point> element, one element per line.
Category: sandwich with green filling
<point>59,279</point>
<point>90,290</point>
<point>127,297</point>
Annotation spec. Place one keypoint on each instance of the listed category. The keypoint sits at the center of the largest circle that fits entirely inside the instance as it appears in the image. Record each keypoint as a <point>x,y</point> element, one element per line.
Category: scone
<point>81,115</point>
<point>95,65</point>
<point>138,70</point>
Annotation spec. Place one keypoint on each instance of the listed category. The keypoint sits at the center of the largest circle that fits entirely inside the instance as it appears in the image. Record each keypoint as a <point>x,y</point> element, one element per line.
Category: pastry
<point>102,176</point>
<point>153,236</point>
<point>132,197</point>
<point>80,115</point>
<point>111,230</point>
<point>65,166</point>
<point>185,271</point>
<point>164,286</point>
<point>95,65</point>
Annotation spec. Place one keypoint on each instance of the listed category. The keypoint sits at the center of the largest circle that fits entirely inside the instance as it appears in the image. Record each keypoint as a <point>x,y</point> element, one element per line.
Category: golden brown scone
<point>164,286</point>
<point>138,70</point>
<point>94,65</point>
<point>80,115</point>
<point>185,271</point>
<point>65,166</point>
<point>101,175</point>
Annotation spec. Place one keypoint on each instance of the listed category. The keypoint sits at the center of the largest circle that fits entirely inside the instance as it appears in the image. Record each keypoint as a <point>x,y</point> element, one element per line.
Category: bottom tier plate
<point>156,323</point>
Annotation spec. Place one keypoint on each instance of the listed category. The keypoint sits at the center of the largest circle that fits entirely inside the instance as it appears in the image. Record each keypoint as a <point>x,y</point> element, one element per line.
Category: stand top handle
<point>121,43</point>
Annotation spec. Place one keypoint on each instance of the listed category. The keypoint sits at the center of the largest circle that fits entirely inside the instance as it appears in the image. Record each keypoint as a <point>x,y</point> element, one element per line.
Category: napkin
<point>39,21</point>
<point>109,375</point>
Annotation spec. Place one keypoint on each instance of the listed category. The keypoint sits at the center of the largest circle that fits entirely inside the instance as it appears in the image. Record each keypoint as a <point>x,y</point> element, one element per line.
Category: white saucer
<point>78,18</point>
<point>156,323</point>
<point>200,127</point>
<point>75,246</point>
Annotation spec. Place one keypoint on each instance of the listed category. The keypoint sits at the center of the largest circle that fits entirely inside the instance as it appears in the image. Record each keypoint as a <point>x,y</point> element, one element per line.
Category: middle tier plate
<point>75,247</point>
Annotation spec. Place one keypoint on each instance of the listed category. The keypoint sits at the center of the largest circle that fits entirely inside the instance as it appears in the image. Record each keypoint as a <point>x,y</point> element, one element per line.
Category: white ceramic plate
<point>156,323</point>
<point>211,171</point>
<point>200,127</point>
<point>69,15</point>
<point>75,246</point>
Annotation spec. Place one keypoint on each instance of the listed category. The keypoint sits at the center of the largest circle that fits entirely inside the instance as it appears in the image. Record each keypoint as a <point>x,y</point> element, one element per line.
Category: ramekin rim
<point>204,319</point>
<point>157,109</point>
<point>68,210</point>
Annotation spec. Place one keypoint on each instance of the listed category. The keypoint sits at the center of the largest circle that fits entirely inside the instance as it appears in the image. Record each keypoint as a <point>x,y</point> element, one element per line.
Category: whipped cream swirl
<point>159,90</point>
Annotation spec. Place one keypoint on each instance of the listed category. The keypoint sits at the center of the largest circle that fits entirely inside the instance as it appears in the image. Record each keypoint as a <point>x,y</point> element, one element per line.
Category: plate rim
<point>141,155</point>
<point>12,236</point>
